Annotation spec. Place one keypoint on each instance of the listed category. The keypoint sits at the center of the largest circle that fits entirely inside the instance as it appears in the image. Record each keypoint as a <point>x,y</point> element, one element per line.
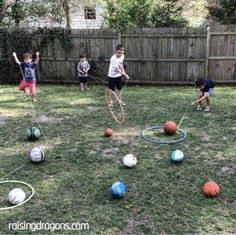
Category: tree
<point>223,11</point>
<point>144,13</point>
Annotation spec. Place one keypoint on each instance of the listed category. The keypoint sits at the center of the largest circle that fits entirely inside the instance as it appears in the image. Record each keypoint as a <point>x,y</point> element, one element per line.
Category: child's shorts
<point>83,79</point>
<point>25,84</point>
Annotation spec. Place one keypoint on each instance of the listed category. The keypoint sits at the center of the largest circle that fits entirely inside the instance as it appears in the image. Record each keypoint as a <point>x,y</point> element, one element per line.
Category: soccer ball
<point>37,154</point>
<point>33,133</point>
<point>130,160</point>
<point>16,196</point>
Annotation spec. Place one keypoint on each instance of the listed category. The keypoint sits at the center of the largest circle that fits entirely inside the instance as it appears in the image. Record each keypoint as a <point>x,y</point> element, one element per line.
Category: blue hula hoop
<point>183,137</point>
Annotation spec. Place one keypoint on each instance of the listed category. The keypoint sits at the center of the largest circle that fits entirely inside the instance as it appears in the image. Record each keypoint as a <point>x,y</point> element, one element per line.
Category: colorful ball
<point>118,190</point>
<point>33,133</point>
<point>37,154</point>
<point>177,156</point>
<point>211,189</point>
<point>130,160</point>
<point>170,127</point>
<point>108,132</point>
<point>16,196</point>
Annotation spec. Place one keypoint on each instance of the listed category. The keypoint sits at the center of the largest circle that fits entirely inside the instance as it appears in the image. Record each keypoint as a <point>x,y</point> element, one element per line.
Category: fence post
<point>207,67</point>
<point>119,37</point>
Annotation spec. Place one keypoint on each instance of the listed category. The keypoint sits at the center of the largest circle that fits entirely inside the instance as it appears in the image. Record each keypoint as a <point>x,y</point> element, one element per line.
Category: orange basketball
<point>211,189</point>
<point>108,132</point>
<point>170,127</point>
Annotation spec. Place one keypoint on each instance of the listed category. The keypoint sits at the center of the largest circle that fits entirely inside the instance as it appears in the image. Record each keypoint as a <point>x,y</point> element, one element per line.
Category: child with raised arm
<point>28,69</point>
<point>206,88</point>
<point>83,68</point>
<point>116,70</point>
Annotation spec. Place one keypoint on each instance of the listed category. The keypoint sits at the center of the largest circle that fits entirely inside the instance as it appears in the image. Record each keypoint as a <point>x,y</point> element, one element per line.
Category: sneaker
<point>206,109</point>
<point>123,104</point>
<point>34,100</point>
<point>82,89</point>
<point>199,108</point>
<point>86,88</point>
<point>110,104</point>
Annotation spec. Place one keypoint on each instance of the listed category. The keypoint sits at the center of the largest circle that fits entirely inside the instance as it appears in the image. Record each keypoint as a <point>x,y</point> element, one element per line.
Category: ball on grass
<point>108,132</point>
<point>16,196</point>
<point>37,154</point>
<point>177,156</point>
<point>118,190</point>
<point>170,127</point>
<point>130,160</point>
<point>211,189</point>
<point>33,133</point>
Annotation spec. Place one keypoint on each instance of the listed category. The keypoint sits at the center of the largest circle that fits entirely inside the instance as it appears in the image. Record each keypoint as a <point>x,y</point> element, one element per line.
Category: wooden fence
<point>153,56</point>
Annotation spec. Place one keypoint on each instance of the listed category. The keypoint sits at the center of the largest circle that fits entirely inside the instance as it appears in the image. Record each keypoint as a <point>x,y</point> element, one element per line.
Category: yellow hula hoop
<point>20,204</point>
<point>122,113</point>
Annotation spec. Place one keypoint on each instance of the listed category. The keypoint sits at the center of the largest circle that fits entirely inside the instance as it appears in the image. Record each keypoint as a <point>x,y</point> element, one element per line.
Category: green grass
<point>72,184</point>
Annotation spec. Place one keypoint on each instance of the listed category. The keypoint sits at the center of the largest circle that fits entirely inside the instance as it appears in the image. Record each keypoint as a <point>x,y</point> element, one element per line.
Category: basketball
<point>108,132</point>
<point>177,156</point>
<point>118,190</point>
<point>130,160</point>
<point>37,154</point>
<point>16,196</point>
<point>170,127</point>
<point>33,133</point>
<point>211,189</point>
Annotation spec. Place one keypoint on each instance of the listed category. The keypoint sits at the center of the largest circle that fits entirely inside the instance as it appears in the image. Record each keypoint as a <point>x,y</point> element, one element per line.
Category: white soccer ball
<point>16,196</point>
<point>37,154</point>
<point>130,160</point>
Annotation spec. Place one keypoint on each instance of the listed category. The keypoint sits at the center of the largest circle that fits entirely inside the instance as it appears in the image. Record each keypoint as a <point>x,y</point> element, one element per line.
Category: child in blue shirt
<point>206,87</point>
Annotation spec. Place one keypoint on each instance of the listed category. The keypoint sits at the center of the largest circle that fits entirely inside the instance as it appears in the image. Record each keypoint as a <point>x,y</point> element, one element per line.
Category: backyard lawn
<point>72,184</point>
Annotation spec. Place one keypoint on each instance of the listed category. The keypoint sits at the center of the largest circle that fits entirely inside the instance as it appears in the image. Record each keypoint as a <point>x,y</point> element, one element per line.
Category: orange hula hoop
<point>121,119</point>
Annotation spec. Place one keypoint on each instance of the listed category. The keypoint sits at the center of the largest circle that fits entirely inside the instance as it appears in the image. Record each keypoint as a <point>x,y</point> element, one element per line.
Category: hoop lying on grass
<point>18,182</point>
<point>117,110</point>
<point>183,136</point>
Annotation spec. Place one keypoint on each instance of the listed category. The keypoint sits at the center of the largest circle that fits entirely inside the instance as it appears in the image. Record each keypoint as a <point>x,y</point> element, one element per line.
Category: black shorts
<point>83,79</point>
<point>115,83</point>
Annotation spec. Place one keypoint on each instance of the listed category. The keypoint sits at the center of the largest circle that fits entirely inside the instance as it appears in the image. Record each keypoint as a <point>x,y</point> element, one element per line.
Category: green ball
<point>33,133</point>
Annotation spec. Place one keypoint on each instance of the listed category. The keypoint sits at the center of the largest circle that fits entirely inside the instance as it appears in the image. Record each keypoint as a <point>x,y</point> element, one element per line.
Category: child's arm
<point>37,57</point>
<point>16,59</point>
<point>122,71</point>
<point>88,68</point>
<point>202,98</point>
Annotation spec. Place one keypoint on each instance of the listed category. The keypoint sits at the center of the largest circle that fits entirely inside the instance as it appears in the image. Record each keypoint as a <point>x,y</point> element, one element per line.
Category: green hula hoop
<point>183,137</point>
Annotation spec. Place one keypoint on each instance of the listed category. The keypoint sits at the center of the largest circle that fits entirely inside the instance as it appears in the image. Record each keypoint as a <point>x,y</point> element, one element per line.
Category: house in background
<point>83,17</point>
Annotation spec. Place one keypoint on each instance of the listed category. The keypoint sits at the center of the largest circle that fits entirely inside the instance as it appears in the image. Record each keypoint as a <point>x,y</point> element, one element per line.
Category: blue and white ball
<point>177,156</point>
<point>37,154</point>
<point>130,160</point>
<point>16,196</point>
<point>118,190</point>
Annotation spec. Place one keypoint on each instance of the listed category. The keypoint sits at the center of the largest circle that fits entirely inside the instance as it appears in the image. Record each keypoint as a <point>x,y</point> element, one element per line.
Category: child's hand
<point>14,54</point>
<point>37,53</point>
<point>127,77</point>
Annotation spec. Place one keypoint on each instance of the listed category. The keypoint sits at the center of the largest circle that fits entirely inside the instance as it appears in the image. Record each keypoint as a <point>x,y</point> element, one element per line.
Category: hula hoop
<point>164,141</point>
<point>122,113</point>
<point>20,204</point>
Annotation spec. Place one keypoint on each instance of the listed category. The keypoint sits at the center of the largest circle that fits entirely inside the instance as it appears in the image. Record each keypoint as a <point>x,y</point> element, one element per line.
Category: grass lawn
<point>72,184</point>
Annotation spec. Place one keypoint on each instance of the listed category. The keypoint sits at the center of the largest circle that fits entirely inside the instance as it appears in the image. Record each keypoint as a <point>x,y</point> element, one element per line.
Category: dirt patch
<point>2,120</point>
<point>228,170</point>
<point>50,120</point>
<point>111,152</point>
<point>227,205</point>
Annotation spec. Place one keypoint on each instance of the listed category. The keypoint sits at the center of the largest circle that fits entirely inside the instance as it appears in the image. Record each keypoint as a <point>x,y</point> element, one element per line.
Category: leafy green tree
<point>223,11</point>
<point>144,13</point>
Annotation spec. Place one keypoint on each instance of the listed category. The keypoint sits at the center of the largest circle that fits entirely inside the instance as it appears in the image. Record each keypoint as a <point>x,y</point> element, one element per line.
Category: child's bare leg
<point>81,86</point>
<point>109,98</point>
<point>86,86</point>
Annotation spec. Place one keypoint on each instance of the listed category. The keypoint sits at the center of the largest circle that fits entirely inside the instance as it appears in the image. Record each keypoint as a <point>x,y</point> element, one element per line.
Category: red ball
<point>108,132</point>
<point>211,189</point>
<point>170,127</point>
